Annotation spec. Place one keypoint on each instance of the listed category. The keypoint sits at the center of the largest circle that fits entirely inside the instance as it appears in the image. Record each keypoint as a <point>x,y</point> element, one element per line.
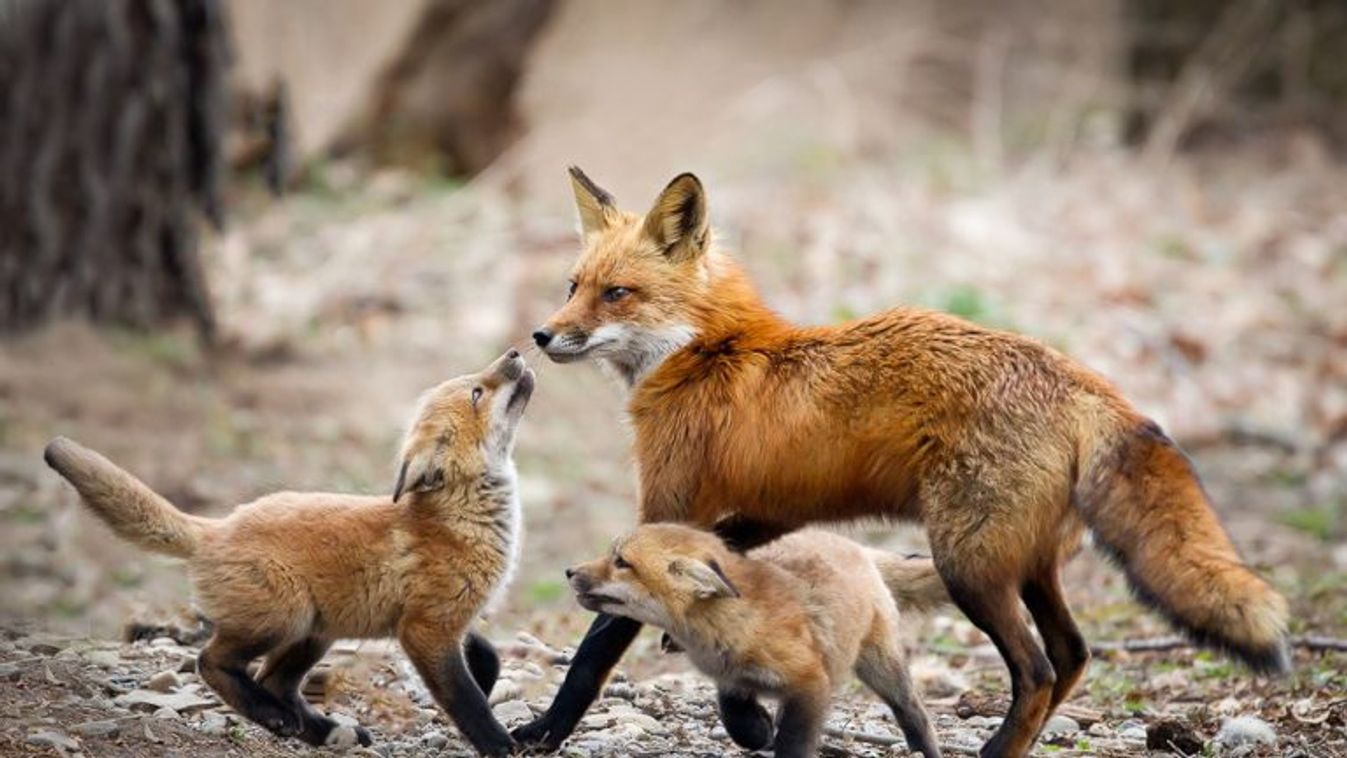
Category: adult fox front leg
<point>1004,448</point>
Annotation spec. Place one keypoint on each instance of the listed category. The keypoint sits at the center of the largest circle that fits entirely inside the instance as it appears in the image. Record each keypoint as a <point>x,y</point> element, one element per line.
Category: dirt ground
<point>1214,294</point>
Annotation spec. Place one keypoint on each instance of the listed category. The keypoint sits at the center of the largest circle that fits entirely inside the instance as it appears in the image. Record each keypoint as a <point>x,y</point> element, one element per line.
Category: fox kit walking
<point>1004,448</point>
<point>790,621</point>
<point>290,573</point>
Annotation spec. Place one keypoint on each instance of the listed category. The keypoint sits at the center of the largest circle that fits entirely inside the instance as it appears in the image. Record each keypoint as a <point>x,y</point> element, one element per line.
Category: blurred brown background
<point>240,237</point>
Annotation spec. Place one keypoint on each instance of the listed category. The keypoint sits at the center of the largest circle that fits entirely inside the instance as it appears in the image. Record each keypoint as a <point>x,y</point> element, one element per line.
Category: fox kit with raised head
<point>1006,450</point>
<point>288,574</point>
<point>790,621</point>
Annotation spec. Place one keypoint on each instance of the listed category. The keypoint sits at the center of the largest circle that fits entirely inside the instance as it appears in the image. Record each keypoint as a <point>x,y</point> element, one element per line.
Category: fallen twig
<point>1162,644</point>
<point>884,740</point>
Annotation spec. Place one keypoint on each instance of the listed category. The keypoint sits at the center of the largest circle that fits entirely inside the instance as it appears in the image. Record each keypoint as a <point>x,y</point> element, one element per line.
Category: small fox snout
<point>570,573</point>
<point>543,337</point>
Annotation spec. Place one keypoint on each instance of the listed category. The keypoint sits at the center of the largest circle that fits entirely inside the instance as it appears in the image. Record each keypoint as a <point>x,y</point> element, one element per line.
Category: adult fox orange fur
<point>1004,448</point>
<point>789,621</point>
<point>290,573</point>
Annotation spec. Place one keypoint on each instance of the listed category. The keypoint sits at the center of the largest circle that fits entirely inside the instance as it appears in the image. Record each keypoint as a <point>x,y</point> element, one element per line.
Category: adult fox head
<point>655,575</point>
<point>639,282</point>
<point>465,427</point>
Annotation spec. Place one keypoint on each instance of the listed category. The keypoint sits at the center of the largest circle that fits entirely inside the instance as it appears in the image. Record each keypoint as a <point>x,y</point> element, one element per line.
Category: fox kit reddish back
<point>288,574</point>
<point>1004,448</point>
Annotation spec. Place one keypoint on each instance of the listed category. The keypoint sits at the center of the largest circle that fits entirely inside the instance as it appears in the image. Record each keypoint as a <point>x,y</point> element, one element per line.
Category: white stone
<point>1246,730</point>
<point>512,712</point>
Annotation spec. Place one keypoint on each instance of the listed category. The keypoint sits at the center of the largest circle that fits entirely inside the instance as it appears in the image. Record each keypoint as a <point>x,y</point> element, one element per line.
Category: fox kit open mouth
<point>287,575</point>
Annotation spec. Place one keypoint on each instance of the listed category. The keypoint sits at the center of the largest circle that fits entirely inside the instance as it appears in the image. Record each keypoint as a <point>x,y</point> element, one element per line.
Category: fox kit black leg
<point>605,642</point>
<point>799,723</point>
<point>223,664</point>
<point>447,676</point>
<point>483,663</point>
<point>882,668</point>
<point>994,608</point>
<point>1066,648</point>
<point>282,675</point>
<point>746,721</point>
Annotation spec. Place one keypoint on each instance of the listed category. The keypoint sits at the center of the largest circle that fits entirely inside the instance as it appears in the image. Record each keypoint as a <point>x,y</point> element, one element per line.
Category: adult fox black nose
<point>542,337</point>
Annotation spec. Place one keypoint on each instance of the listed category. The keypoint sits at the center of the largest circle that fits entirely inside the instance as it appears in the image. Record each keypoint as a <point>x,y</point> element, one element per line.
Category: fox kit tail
<point>1147,509</point>
<point>912,581</point>
<point>133,510</point>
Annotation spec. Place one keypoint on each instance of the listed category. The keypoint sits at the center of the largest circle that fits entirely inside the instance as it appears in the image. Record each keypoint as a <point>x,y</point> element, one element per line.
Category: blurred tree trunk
<point>448,96</point>
<point>110,116</point>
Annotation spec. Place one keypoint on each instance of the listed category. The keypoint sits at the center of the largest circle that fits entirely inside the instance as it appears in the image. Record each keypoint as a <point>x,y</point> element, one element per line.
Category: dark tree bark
<point>111,114</point>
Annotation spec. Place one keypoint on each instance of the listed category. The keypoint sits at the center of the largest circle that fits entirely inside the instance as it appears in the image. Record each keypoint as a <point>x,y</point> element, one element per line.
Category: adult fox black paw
<point>536,737</point>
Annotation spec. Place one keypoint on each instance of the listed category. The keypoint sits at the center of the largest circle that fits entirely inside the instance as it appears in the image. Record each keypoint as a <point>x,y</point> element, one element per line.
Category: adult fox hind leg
<point>1066,648</point>
<point>223,664</point>
<point>282,675</point>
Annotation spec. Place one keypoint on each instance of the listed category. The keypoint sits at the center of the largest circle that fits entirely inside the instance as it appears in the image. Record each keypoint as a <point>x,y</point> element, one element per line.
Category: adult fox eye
<point>614,294</point>
<point>476,395</point>
<point>570,293</point>
<point>620,562</point>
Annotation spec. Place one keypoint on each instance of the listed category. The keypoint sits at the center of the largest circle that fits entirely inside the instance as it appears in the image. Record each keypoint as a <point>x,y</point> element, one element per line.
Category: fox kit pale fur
<point>790,621</point>
<point>286,575</point>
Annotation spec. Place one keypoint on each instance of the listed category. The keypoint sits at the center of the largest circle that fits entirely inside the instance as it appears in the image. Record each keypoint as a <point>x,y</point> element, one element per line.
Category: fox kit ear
<point>596,206</point>
<point>420,472</point>
<point>707,579</point>
<point>677,222</point>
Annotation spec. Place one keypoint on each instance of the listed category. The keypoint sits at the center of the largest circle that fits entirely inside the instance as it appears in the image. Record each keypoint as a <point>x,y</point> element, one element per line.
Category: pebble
<point>1061,725</point>
<point>214,723</point>
<point>1132,730</point>
<point>149,700</point>
<point>1246,730</point>
<point>53,738</point>
<point>97,728</point>
<point>435,740</point>
<point>103,658</point>
<point>513,711</point>
<point>164,712</point>
<point>623,691</point>
<point>505,690</point>
<point>164,681</point>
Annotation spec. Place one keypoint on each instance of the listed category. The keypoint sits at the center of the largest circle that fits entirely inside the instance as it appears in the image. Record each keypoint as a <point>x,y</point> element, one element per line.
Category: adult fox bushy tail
<point>1149,512</point>
<point>135,512</point>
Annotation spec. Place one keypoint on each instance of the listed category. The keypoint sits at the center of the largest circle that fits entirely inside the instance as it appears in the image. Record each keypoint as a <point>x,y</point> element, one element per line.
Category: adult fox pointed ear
<point>707,580</point>
<point>597,208</point>
<point>420,472</point>
<point>678,220</point>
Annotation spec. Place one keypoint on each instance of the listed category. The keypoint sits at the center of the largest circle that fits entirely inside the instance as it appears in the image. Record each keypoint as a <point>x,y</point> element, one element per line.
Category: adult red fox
<point>1004,448</point>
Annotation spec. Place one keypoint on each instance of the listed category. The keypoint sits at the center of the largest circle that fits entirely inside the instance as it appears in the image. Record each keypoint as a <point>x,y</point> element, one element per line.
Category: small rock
<point>164,712</point>
<point>513,711</point>
<point>187,665</point>
<point>59,740</point>
<point>97,728</point>
<point>983,722</point>
<point>149,700</point>
<point>435,740</point>
<point>623,691</point>
<point>1100,729</point>
<point>505,690</point>
<point>103,658</point>
<point>40,646</point>
<point>163,642</point>
<point>1061,725</point>
<point>1132,729</point>
<point>213,723</point>
<point>164,681</point>
<point>1246,730</point>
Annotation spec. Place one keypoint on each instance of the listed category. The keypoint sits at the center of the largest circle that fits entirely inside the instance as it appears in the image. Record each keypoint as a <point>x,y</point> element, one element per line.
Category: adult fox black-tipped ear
<point>678,220</point>
<point>597,208</point>
<point>420,472</point>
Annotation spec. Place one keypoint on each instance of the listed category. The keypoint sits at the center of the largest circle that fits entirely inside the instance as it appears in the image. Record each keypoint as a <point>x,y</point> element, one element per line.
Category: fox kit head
<point>465,427</point>
<point>655,575</point>
<point>637,280</point>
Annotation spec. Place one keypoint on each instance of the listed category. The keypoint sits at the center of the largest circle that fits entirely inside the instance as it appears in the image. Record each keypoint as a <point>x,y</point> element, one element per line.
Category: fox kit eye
<point>620,562</point>
<point>570,293</point>
<point>476,395</point>
<point>614,294</point>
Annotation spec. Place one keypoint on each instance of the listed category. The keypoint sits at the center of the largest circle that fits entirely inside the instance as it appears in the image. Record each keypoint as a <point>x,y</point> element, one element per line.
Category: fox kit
<point>1004,448</point>
<point>789,621</point>
<point>288,574</point>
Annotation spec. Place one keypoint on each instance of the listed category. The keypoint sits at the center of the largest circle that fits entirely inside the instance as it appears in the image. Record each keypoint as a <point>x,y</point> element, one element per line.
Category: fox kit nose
<point>570,573</point>
<point>542,337</point>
